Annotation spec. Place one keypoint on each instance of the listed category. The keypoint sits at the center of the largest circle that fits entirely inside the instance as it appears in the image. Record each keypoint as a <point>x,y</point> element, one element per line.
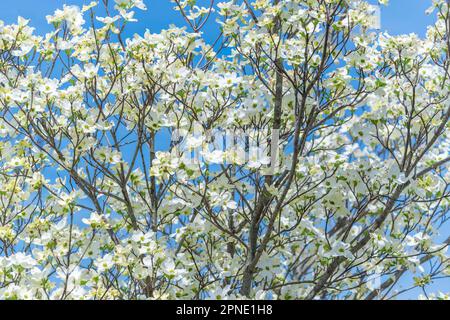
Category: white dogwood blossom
<point>302,154</point>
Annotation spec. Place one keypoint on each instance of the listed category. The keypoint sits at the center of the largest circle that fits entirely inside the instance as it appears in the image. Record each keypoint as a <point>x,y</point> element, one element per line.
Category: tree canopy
<point>306,154</point>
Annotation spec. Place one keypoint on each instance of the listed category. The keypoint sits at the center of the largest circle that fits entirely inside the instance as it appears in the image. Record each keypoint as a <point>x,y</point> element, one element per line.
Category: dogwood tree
<point>300,155</point>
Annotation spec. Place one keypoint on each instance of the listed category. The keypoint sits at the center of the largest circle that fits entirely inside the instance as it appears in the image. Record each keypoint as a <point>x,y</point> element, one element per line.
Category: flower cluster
<point>102,198</point>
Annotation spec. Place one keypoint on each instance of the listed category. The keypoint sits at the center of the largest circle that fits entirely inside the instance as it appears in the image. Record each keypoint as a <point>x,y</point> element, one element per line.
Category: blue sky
<point>401,16</point>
